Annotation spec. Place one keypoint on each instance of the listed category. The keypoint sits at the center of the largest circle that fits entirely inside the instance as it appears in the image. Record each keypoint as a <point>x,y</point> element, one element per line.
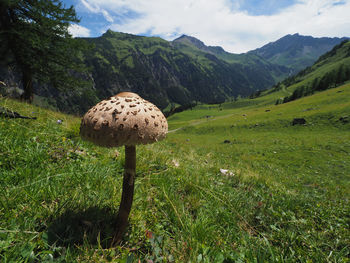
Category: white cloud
<point>221,23</point>
<point>96,8</point>
<point>78,31</point>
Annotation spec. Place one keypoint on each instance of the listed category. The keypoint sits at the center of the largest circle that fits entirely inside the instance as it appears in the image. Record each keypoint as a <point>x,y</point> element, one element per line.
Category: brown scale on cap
<point>127,123</point>
<point>115,111</point>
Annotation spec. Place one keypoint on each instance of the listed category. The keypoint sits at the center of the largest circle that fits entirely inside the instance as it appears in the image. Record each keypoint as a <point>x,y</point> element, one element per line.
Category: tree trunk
<point>7,19</point>
<point>27,80</point>
<point>127,193</point>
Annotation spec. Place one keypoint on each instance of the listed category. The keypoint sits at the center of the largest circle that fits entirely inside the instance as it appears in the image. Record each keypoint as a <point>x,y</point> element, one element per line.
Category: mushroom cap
<point>124,119</point>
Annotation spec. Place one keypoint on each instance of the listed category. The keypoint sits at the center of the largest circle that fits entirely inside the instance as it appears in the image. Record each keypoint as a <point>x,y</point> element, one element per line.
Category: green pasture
<point>235,182</point>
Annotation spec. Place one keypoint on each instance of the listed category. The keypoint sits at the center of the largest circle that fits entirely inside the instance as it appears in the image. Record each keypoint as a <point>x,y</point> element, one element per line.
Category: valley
<point>177,74</point>
<point>219,157</point>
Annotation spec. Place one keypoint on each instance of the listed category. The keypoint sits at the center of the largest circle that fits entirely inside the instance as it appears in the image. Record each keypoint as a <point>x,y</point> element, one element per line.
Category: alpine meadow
<point>254,166</point>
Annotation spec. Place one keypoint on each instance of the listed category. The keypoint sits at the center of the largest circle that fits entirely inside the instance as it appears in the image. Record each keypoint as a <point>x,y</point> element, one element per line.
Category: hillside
<point>296,51</point>
<point>185,71</point>
<point>174,75</point>
<point>329,71</point>
<point>235,182</point>
<point>166,73</point>
<point>258,70</point>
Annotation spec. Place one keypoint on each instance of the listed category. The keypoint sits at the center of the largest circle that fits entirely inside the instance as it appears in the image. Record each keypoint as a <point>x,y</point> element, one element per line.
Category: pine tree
<point>35,37</point>
<point>341,77</point>
<point>315,83</point>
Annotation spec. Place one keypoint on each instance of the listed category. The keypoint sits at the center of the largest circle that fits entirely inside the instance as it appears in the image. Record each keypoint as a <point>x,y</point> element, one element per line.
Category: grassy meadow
<point>282,194</point>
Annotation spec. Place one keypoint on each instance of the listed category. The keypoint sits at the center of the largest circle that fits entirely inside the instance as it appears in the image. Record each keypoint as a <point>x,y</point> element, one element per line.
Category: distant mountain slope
<point>167,73</point>
<point>329,71</point>
<point>192,41</point>
<point>252,63</point>
<point>179,73</point>
<point>296,51</point>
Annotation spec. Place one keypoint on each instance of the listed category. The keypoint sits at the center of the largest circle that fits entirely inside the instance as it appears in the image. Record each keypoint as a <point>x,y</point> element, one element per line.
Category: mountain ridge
<point>296,51</point>
<point>329,71</point>
<point>185,39</point>
<point>172,74</point>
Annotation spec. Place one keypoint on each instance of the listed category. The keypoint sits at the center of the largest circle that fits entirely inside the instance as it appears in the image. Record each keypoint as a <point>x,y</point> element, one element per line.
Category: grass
<point>285,197</point>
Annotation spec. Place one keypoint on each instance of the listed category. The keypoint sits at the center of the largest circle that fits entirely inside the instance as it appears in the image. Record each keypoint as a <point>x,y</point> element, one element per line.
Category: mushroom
<point>124,119</point>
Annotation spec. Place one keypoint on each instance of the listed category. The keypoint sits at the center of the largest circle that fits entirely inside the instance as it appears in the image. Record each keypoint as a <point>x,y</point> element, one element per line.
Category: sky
<point>236,25</point>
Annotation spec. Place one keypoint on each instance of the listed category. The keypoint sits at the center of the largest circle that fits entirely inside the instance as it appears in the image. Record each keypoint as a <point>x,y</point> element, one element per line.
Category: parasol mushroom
<point>124,119</point>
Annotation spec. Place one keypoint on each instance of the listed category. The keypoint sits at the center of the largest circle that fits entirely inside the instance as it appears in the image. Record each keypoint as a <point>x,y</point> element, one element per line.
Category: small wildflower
<point>226,172</point>
<point>175,163</point>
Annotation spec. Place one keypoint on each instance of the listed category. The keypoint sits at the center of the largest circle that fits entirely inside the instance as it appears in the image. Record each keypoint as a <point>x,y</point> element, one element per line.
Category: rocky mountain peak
<point>192,41</point>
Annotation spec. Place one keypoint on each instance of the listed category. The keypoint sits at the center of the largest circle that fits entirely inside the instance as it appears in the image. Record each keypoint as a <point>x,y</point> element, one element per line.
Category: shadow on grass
<point>93,225</point>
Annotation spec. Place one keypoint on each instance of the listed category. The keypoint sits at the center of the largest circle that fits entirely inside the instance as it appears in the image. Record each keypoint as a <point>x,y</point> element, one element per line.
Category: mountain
<point>171,73</point>
<point>192,41</point>
<point>177,74</point>
<point>296,51</point>
<point>256,67</point>
<point>329,71</point>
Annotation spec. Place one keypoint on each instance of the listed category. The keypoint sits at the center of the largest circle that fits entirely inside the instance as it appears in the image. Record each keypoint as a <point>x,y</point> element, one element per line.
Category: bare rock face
<point>124,119</point>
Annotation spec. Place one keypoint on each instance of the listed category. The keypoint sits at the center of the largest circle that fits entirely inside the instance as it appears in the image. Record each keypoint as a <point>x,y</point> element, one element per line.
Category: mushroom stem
<point>127,193</point>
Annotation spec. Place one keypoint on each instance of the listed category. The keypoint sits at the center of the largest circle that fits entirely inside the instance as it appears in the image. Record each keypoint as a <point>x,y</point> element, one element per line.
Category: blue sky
<point>236,25</point>
<point>258,7</point>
